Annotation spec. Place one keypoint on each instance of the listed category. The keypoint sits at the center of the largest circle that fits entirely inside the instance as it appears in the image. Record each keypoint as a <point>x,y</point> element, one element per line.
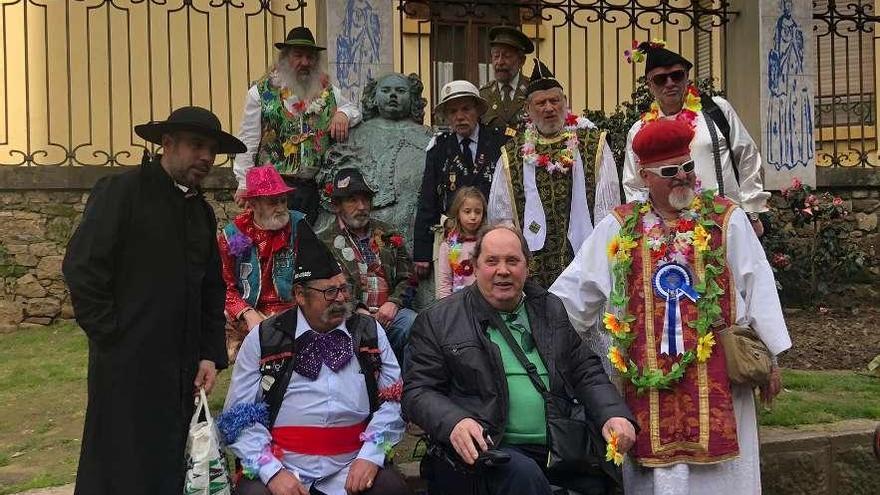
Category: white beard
<point>275,221</point>
<point>303,87</point>
<point>681,197</point>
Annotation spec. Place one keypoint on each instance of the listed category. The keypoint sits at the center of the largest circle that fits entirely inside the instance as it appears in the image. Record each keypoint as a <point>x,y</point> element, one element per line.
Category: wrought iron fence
<point>582,41</point>
<point>846,103</point>
<point>79,74</point>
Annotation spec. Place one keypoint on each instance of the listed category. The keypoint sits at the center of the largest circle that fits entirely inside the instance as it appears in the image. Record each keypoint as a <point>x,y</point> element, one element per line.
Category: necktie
<point>466,152</point>
<point>332,348</point>
<point>507,90</point>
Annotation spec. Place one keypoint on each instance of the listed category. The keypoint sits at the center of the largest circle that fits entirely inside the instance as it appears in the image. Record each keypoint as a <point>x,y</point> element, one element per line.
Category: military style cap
<point>510,36</point>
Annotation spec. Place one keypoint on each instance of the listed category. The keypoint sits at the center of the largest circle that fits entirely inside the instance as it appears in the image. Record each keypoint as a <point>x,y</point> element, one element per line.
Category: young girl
<point>454,268</point>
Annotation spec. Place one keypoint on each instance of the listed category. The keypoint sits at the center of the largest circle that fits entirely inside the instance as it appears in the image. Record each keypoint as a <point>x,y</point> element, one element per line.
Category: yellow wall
<point>81,74</point>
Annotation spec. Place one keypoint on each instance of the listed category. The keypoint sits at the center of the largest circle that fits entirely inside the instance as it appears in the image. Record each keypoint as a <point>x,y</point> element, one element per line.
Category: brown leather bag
<point>748,359</point>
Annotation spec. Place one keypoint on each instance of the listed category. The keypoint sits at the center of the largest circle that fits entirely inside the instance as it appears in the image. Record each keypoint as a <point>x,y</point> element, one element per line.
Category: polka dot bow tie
<point>332,348</point>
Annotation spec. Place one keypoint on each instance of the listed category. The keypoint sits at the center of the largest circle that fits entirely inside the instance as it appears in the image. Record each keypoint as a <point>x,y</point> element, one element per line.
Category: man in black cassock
<point>145,282</point>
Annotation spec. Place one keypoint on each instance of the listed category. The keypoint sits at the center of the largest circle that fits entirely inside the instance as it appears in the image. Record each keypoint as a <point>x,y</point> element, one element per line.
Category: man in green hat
<point>506,94</point>
<point>291,117</point>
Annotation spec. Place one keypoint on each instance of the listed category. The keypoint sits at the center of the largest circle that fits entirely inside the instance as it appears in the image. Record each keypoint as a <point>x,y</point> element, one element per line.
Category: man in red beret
<point>669,277</point>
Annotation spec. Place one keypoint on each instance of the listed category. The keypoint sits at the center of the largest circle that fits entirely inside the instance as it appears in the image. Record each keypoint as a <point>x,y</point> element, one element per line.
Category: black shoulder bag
<point>574,444</point>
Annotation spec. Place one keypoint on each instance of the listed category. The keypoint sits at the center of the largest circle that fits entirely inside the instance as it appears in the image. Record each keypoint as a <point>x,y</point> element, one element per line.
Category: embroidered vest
<point>692,422</point>
<point>292,142</point>
<point>555,193</point>
<point>247,266</point>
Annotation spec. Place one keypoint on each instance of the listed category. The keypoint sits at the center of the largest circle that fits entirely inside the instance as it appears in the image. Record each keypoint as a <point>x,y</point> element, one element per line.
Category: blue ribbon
<point>672,281</point>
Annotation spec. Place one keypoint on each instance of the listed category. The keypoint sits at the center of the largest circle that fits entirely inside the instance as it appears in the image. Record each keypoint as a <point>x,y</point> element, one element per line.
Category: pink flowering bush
<point>808,246</point>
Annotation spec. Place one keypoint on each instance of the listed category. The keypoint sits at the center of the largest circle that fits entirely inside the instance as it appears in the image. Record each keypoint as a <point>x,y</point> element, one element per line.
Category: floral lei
<point>688,114</point>
<point>690,236</point>
<point>462,269</point>
<point>303,107</point>
<point>561,161</point>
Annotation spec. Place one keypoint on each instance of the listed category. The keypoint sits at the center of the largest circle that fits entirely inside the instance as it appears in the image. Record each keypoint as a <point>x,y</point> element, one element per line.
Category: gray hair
<point>484,231</point>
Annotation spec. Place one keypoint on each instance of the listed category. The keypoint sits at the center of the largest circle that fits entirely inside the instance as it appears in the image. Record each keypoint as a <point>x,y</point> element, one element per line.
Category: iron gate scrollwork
<point>79,74</point>
<point>846,97</point>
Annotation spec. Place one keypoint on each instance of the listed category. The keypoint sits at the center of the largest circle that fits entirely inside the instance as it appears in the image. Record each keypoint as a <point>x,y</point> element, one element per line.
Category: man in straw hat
<point>463,156</point>
<point>726,157</point>
<point>314,402</point>
<point>672,275</point>
<point>554,178</point>
<point>258,250</point>
<point>291,117</point>
<point>506,94</point>
<point>144,277</point>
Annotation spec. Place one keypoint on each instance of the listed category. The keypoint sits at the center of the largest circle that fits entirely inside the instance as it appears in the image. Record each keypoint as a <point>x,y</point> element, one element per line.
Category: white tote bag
<point>206,472</point>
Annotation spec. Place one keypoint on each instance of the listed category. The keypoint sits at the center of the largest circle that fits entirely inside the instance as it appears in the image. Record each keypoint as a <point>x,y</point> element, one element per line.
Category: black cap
<point>350,181</point>
<point>314,261</point>
<point>541,79</point>
<point>299,36</point>
<point>510,36</point>
<point>193,119</point>
<point>658,56</point>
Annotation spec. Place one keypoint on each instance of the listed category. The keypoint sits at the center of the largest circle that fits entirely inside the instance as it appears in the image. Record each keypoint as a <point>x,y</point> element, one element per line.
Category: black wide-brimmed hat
<point>541,79</point>
<point>510,36</point>
<point>350,181</point>
<point>193,119</point>
<point>314,261</point>
<point>301,37</point>
<point>658,56</point>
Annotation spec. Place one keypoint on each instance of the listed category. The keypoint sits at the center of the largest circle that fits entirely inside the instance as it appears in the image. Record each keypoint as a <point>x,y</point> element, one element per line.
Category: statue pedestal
<point>783,122</point>
<point>359,39</point>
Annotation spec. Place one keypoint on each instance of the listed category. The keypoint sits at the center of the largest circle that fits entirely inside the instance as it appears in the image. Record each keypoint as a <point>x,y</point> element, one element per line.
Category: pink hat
<point>264,181</point>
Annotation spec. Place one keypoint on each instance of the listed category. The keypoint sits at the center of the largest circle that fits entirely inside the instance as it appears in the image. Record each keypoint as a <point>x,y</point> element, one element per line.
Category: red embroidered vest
<point>693,421</point>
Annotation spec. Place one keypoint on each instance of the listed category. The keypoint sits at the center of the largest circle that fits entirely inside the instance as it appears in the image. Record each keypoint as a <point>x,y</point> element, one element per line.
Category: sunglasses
<point>670,171</point>
<point>677,76</point>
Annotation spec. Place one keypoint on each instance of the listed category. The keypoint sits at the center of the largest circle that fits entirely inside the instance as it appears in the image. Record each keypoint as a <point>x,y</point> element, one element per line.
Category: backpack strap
<point>713,111</point>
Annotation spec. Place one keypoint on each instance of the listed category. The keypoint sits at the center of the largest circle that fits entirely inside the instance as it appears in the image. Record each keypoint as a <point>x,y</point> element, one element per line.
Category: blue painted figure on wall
<point>357,46</point>
<point>790,112</point>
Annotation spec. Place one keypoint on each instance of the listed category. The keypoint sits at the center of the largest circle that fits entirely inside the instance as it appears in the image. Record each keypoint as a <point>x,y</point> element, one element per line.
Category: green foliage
<point>811,397</point>
<point>809,247</point>
<point>8,267</point>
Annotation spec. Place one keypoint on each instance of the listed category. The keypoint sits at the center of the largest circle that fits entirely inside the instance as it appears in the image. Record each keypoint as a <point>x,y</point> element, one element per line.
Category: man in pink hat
<point>257,249</point>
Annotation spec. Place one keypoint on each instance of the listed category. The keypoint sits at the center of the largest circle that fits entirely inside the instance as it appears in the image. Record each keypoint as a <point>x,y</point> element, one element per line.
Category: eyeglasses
<point>676,75</point>
<point>331,293</point>
<point>670,171</point>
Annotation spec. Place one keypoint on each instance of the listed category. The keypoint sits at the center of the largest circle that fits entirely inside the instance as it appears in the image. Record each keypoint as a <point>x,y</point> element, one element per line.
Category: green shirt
<point>526,422</point>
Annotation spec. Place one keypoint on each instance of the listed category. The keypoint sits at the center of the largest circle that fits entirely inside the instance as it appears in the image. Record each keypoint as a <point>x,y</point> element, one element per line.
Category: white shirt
<point>251,129</point>
<point>333,399</point>
<point>748,193</point>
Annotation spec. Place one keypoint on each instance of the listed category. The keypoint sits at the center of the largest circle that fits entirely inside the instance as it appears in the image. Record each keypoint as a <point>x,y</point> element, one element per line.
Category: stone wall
<point>35,225</point>
<point>41,206</point>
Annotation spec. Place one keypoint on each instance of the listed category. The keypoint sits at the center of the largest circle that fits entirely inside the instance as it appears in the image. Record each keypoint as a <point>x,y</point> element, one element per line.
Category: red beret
<point>662,139</point>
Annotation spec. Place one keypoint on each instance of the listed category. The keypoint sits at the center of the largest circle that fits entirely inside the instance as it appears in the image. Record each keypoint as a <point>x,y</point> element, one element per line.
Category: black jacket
<point>144,277</point>
<point>453,371</point>
<point>445,174</point>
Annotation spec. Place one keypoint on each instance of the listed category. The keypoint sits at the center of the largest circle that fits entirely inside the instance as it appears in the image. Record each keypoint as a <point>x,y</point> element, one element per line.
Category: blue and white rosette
<point>671,282</point>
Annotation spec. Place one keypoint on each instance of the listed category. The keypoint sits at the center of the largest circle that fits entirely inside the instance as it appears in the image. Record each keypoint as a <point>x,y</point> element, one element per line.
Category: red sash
<point>692,422</point>
<point>319,440</point>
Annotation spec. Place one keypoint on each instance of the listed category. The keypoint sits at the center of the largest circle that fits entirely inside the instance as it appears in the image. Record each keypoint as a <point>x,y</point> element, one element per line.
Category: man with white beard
<point>666,275</point>
<point>257,249</point>
<point>553,178</point>
<point>291,117</point>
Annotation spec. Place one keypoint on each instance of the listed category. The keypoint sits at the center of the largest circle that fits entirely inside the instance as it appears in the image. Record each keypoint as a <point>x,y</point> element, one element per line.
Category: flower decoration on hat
<point>639,51</point>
